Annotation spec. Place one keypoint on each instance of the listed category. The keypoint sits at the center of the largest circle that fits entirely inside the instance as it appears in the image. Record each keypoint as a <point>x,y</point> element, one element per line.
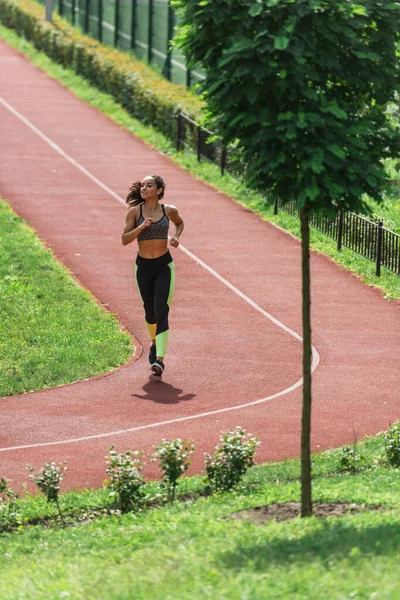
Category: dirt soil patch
<point>283,511</point>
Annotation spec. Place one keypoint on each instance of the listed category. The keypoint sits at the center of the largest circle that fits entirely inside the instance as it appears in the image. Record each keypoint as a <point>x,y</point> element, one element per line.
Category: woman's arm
<point>131,232</point>
<point>174,216</point>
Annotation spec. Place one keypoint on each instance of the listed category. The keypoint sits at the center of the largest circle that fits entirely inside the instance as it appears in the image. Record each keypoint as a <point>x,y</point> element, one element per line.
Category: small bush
<point>48,481</point>
<point>8,498</point>
<point>350,461</point>
<point>231,459</point>
<point>174,460</point>
<point>391,445</point>
<point>126,482</point>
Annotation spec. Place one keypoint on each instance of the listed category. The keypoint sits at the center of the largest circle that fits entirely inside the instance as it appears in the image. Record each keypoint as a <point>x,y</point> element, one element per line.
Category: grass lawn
<point>51,330</point>
<point>389,283</point>
<point>193,549</point>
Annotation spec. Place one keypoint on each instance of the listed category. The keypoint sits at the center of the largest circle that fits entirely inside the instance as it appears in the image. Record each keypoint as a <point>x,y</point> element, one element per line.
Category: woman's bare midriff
<point>153,248</point>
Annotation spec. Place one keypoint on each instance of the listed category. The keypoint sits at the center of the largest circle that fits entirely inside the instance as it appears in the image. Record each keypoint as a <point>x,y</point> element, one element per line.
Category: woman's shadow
<point>163,393</point>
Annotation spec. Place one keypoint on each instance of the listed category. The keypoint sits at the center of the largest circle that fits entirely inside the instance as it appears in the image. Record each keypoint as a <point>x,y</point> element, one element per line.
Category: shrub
<point>48,481</point>
<point>145,94</point>
<point>8,498</point>
<point>391,445</point>
<point>126,482</point>
<point>350,460</point>
<point>231,459</point>
<point>174,460</point>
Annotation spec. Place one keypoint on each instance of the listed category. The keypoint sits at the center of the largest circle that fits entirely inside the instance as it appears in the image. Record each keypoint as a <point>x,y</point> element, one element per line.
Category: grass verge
<point>51,330</point>
<point>193,549</point>
<point>389,283</point>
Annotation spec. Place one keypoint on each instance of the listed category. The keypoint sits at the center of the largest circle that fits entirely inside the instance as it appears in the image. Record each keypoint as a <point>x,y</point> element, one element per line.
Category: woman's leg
<point>146,286</point>
<point>164,290</point>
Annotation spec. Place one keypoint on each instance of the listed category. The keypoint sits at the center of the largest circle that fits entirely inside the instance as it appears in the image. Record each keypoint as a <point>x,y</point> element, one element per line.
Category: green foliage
<point>391,440</point>
<point>126,482</point>
<point>304,87</point>
<point>8,513</point>
<point>48,480</point>
<point>231,459</point>
<point>145,94</point>
<point>350,460</point>
<point>174,460</point>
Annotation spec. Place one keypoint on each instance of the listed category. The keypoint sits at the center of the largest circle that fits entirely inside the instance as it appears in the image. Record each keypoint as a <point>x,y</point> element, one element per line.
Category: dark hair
<point>134,198</point>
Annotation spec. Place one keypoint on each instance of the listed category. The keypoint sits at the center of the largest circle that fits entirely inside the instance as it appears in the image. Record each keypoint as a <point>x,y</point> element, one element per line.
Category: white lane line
<point>160,423</point>
<point>315,355</point>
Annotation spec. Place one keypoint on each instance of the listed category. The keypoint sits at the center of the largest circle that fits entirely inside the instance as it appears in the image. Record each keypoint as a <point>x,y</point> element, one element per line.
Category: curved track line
<point>315,354</point>
<point>161,423</point>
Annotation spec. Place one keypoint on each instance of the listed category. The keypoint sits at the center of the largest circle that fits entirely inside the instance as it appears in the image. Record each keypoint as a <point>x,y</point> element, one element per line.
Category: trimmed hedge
<point>146,95</point>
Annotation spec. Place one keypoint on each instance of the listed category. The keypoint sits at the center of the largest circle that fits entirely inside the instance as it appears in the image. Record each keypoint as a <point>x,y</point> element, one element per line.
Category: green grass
<point>51,330</point>
<point>389,283</point>
<point>193,549</point>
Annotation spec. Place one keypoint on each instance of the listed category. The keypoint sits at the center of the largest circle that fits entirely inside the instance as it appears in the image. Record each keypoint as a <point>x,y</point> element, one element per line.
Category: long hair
<point>134,198</point>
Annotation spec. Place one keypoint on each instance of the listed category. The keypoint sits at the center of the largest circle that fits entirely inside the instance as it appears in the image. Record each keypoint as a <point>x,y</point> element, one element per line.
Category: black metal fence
<point>368,238</point>
<point>192,136</point>
<point>144,27</point>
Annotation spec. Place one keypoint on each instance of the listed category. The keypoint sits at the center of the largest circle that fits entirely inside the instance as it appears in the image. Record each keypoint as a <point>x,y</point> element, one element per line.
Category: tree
<point>303,87</point>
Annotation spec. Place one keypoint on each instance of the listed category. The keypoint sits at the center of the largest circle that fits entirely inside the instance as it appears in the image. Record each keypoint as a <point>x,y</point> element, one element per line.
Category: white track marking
<point>159,423</point>
<point>315,355</point>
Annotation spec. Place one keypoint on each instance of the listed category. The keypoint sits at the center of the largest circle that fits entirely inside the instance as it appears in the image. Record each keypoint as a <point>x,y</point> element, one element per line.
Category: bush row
<point>224,468</point>
<point>145,94</point>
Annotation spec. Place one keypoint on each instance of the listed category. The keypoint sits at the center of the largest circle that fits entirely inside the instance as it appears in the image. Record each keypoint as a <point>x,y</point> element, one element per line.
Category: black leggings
<point>155,278</point>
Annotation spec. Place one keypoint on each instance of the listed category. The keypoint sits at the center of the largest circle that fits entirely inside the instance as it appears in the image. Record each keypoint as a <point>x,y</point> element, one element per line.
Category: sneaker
<point>158,368</point>
<point>152,354</point>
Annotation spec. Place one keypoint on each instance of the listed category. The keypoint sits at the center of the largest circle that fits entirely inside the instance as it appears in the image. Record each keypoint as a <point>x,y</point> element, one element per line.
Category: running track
<point>234,355</point>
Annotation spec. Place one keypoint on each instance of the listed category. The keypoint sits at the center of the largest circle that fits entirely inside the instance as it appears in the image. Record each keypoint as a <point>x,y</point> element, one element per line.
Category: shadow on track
<point>161,392</point>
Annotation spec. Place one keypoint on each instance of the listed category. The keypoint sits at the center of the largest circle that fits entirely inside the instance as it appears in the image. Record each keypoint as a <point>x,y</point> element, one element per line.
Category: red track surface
<point>223,352</point>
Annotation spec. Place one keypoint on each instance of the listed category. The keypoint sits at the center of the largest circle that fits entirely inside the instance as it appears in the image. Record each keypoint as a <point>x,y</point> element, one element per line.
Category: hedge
<point>145,94</point>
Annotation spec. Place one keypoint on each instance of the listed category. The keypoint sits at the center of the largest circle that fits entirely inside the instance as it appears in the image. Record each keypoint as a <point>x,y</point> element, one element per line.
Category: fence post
<point>133,25</point>
<point>87,14</point>
<point>150,36</point>
<point>188,78</point>
<point>179,132</point>
<point>340,229</point>
<point>198,143</point>
<point>170,33</point>
<point>73,12</point>
<point>223,160</point>
<point>116,23</point>
<point>49,11</point>
<point>100,18</point>
<point>276,201</point>
<point>379,249</point>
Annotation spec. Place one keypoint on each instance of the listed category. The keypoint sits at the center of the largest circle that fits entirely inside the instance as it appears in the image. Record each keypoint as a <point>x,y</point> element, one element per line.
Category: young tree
<point>302,86</point>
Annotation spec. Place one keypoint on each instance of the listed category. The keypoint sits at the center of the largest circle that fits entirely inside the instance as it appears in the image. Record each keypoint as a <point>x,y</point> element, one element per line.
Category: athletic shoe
<point>152,354</point>
<point>158,368</point>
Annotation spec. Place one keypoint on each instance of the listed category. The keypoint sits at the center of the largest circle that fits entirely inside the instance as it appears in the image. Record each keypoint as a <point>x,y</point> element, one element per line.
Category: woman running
<point>147,222</point>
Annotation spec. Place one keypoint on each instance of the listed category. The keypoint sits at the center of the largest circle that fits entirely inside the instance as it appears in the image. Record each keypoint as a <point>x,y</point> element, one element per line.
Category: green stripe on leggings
<point>172,283</point>
<point>162,343</point>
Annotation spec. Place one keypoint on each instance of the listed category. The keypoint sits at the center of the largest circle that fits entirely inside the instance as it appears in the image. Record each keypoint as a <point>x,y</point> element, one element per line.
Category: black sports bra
<point>157,230</point>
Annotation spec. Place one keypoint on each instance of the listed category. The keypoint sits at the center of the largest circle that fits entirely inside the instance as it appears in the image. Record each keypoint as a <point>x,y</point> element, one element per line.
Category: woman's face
<point>148,191</point>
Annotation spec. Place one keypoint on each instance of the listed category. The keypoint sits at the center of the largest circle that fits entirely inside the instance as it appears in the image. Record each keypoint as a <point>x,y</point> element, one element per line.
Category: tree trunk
<point>306,500</point>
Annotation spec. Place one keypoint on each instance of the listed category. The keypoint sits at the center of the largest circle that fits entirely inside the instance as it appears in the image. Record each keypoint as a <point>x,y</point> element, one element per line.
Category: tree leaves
<point>323,72</point>
<point>281,43</point>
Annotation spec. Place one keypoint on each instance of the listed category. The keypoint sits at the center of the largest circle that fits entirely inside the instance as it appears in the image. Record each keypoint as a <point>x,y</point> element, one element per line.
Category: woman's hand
<point>147,222</point>
<point>174,242</point>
